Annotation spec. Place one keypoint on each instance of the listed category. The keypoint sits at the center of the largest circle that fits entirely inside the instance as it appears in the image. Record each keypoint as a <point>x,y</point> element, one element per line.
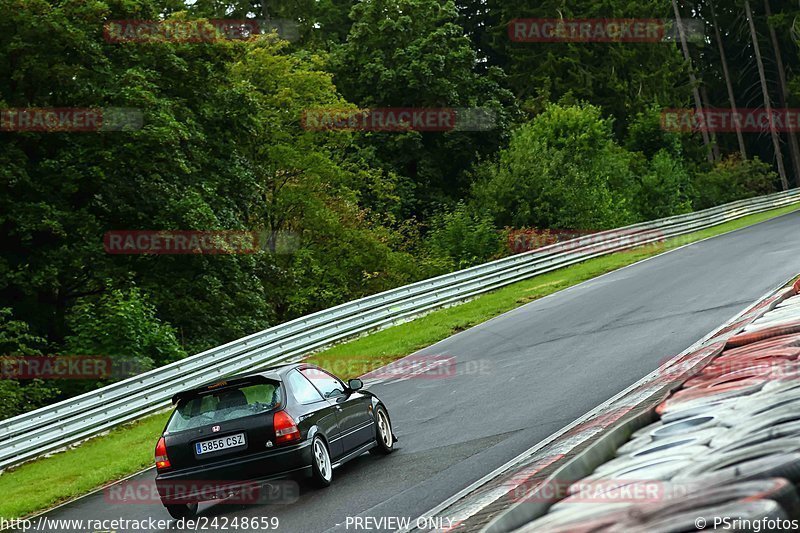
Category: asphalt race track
<point>523,376</point>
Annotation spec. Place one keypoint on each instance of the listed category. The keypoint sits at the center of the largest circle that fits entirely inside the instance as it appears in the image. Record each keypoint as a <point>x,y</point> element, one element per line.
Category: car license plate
<point>222,443</point>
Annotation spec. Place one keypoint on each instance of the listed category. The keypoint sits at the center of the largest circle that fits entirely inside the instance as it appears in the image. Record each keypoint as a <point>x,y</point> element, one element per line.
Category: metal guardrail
<point>44,430</point>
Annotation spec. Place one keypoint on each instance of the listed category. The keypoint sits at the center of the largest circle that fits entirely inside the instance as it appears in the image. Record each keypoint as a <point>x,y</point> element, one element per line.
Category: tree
<point>620,78</point>
<point>412,53</point>
<point>698,102</point>
<point>308,183</point>
<point>727,76</point>
<point>665,188</point>
<point>123,326</point>
<point>16,340</point>
<point>464,238</point>
<point>733,179</point>
<point>776,142</point>
<point>218,150</point>
<point>562,170</point>
<point>783,93</point>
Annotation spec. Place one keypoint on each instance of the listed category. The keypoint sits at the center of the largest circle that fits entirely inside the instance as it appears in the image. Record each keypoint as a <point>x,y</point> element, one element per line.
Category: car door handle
<point>338,407</point>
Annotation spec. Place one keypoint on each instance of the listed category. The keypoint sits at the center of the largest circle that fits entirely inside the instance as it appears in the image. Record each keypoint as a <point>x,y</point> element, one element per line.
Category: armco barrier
<point>35,433</point>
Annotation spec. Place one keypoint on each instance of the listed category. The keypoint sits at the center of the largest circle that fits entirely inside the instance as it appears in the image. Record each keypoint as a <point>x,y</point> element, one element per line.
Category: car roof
<point>274,373</point>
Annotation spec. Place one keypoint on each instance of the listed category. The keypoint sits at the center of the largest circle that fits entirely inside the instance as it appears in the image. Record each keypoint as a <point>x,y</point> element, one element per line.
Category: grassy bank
<point>45,482</point>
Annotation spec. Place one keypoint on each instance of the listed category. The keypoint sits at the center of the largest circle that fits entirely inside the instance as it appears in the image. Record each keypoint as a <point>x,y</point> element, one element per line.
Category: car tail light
<point>162,461</point>
<point>285,429</point>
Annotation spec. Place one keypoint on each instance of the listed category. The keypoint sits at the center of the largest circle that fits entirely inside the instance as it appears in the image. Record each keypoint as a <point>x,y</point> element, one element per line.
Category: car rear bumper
<point>245,475</point>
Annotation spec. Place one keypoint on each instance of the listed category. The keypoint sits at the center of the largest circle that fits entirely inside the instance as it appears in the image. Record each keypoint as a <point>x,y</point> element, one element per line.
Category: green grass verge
<point>46,482</point>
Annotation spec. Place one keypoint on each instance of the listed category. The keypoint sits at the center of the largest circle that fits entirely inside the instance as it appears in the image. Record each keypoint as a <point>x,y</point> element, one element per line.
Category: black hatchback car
<point>292,421</point>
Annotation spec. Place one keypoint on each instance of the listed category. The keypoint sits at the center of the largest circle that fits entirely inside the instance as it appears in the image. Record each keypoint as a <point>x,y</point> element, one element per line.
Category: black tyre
<point>322,471</point>
<point>780,431</point>
<point>181,510</point>
<point>785,465</point>
<point>778,490</point>
<point>383,433</point>
<point>716,462</point>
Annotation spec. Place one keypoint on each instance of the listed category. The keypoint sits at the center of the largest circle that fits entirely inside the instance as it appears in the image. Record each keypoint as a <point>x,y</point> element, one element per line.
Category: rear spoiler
<point>233,383</point>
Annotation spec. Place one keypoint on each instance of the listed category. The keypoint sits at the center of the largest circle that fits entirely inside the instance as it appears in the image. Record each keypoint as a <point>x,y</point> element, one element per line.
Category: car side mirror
<point>355,384</point>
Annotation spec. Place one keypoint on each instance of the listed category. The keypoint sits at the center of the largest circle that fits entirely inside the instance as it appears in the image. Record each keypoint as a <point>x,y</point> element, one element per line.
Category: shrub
<point>464,237</point>
<point>562,170</point>
<point>664,188</point>
<point>18,397</point>
<point>122,325</point>
<point>733,179</point>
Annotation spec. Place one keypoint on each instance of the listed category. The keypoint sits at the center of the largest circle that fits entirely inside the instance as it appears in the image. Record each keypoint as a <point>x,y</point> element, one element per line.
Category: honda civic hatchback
<point>293,421</point>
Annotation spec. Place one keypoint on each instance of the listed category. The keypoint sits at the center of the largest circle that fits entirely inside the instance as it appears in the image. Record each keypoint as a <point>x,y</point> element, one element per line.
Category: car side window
<point>328,385</point>
<point>302,389</point>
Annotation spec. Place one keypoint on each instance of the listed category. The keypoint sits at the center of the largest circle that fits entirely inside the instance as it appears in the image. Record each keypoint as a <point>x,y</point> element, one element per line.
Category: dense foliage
<point>576,144</point>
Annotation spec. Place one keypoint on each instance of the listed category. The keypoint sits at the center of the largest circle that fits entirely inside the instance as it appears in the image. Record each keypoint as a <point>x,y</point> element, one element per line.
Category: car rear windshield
<point>224,405</point>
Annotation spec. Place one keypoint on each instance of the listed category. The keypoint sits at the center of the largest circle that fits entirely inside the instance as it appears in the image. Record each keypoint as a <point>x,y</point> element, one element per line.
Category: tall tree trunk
<point>698,104</point>
<point>707,105</point>
<point>794,150</point>
<point>728,84</point>
<point>776,142</point>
